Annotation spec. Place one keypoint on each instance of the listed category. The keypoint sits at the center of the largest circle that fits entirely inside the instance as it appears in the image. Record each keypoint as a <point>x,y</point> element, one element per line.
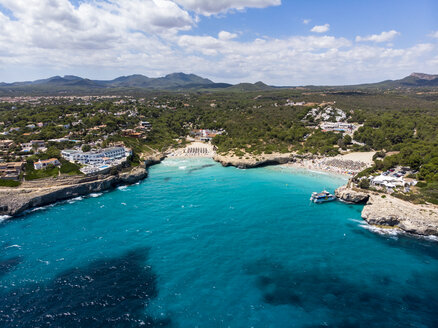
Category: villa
<point>43,164</point>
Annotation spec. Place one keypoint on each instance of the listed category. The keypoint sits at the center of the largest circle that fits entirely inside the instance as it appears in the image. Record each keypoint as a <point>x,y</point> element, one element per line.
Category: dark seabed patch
<point>199,168</point>
<point>167,179</point>
<point>348,303</point>
<point>9,264</point>
<point>107,293</point>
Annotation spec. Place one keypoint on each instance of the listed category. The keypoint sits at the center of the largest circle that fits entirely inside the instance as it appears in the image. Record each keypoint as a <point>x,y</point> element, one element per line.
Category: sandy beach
<point>194,149</point>
<point>348,164</point>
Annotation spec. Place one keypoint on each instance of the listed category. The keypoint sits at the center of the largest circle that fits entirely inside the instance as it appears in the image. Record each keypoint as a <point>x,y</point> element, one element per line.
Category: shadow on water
<point>199,168</point>
<point>370,302</point>
<point>107,293</point>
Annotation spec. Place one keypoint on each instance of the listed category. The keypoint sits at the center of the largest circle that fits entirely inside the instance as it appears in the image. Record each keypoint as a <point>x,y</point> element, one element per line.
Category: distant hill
<point>74,84</point>
<point>136,80</point>
<point>258,86</point>
<point>415,80</point>
<point>70,84</point>
<point>418,80</point>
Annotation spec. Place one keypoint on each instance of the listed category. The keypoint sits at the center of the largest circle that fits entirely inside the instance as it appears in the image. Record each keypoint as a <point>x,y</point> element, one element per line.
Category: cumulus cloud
<point>302,60</point>
<point>103,39</point>
<point>210,7</point>
<point>382,37</point>
<point>224,35</point>
<point>321,28</point>
<point>53,17</point>
<point>306,21</point>
<point>434,34</point>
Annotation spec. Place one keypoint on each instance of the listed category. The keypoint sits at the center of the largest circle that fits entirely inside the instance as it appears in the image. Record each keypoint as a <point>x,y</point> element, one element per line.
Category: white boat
<point>322,197</point>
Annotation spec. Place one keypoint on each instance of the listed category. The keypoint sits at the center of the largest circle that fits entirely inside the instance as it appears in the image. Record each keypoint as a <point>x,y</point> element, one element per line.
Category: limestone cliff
<point>386,210</point>
<point>252,162</point>
<point>14,201</point>
<point>394,212</point>
<point>350,195</point>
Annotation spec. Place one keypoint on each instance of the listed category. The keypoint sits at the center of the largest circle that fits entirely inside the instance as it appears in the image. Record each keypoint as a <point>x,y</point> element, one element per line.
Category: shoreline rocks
<point>350,195</point>
<point>16,201</point>
<point>247,163</point>
<point>387,211</point>
<point>379,210</point>
<point>37,193</point>
<point>397,213</point>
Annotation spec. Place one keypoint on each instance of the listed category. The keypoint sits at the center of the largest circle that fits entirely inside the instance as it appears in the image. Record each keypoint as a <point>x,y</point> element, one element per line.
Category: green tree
<point>364,183</point>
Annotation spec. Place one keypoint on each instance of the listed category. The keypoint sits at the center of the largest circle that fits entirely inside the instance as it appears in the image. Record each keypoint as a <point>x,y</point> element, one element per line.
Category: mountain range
<point>70,84</point>
<point>173,81</point>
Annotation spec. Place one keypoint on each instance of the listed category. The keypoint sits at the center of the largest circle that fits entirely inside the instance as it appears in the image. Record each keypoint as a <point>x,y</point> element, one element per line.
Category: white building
<point>338,126</point>
<point>391,181</point>
<point>145,125</point>
<point>97,157</point>
<point>43,164</point>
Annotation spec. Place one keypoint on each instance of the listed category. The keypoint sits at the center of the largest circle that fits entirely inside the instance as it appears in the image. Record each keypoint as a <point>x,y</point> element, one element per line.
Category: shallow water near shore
<point>199,245</point>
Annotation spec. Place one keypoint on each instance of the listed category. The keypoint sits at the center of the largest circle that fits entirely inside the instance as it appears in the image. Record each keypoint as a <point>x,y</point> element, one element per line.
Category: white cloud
<point>224,35</point>
<point>434,34</point>
<point>210,7</point>
<point>320,28</point>
<point>51,18</point>
<point>306,21</point>
<point>103,39</point>
<point>382,37</point>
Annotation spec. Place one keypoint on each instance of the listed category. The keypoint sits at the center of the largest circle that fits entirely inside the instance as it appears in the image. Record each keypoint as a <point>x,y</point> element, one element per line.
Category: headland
<point>383,210</point>
<point>42,192</point>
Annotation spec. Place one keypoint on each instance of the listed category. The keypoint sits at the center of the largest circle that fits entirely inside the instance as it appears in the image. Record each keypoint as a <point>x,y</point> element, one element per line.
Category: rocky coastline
<point>37,193</point>
<point>379,210</point>
<point>351,196</point>
<point>384,210</point>
<point>253,162</point>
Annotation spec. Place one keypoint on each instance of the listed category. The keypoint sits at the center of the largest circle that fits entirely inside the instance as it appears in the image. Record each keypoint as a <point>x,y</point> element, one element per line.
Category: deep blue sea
<point>199,245</point>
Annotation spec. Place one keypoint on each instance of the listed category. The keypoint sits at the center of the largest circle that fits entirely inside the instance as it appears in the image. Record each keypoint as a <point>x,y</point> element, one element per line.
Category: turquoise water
<point>198,245</point>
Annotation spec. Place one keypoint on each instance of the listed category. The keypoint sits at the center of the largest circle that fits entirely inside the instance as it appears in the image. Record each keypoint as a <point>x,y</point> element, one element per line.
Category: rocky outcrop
<point>253,162</point>
<point>351,195</point>
<point>388,211</point>
<point>14,201</point>
<point>385,210</point>
<point>153,159</point>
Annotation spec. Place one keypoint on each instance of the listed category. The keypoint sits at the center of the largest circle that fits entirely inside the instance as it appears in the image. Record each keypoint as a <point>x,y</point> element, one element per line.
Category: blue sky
<point>278,42</point>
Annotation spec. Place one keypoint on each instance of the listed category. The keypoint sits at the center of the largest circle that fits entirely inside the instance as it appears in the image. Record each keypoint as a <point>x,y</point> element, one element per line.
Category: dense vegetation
<point>401,124</point>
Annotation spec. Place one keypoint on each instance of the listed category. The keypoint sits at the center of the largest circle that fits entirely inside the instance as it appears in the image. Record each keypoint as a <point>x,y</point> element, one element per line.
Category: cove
<point>199,245</point>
